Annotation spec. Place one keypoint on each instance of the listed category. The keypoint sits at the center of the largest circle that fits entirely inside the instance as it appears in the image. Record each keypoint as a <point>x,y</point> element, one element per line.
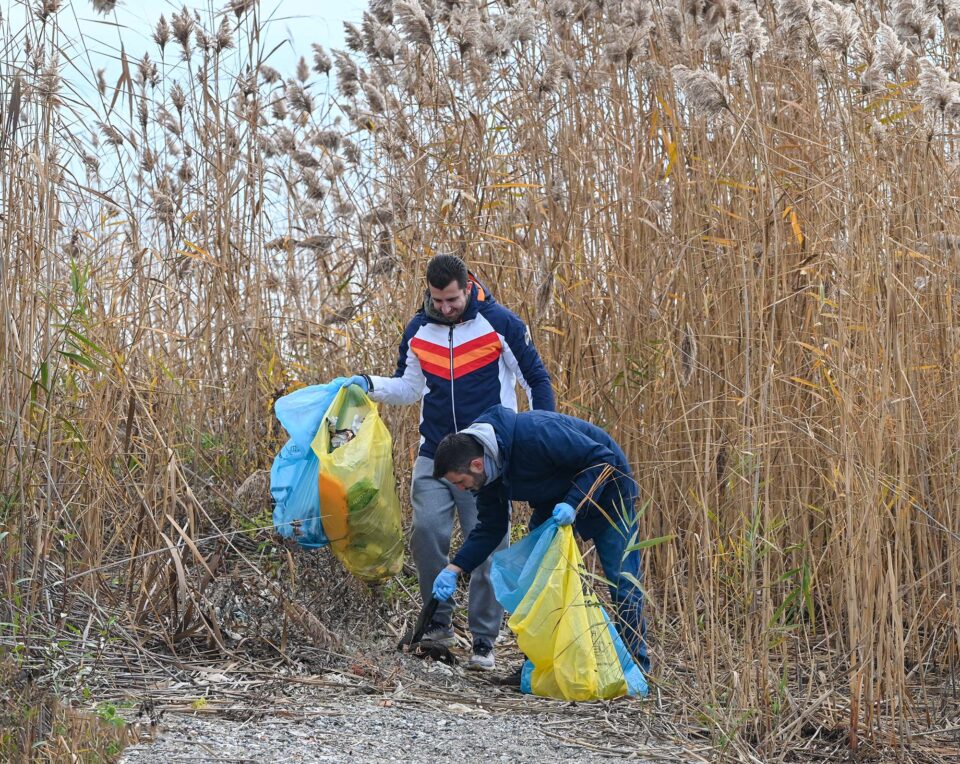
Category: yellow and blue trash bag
<point>359,508</point>
<point>333,483</point>
<point>573,649</point>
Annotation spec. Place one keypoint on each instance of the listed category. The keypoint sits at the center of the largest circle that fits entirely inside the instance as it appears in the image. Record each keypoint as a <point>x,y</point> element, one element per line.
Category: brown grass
<point>738,254</point>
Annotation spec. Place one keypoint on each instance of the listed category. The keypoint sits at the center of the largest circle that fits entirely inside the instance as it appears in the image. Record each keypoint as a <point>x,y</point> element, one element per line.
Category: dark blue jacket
<point>460,370</point>
<point>547,458</point>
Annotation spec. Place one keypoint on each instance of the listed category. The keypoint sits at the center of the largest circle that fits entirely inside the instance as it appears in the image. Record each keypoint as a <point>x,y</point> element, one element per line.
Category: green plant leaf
<point>647,543</point>
<point>81,360</point>
<point>83,340</point>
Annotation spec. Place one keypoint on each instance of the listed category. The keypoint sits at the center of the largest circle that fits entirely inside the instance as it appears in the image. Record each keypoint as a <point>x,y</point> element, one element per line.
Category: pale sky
<point>299,21</point>
<point>291,24</point>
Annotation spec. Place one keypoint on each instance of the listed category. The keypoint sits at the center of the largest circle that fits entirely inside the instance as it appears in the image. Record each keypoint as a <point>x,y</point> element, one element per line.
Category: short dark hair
<point>442,269</point>
<point>455,453</point>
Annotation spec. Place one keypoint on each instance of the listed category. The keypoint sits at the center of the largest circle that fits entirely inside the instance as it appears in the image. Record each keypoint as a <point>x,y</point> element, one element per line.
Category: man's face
<point>472,480</point>
<point>451,301</point>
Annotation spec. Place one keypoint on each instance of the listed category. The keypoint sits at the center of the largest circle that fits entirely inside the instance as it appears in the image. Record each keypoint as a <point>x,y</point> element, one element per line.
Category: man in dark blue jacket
<point>461,353</point>
<point>564,467</point>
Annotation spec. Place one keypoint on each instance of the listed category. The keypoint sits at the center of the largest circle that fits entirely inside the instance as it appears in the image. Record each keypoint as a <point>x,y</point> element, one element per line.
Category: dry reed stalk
<point>758,206</point>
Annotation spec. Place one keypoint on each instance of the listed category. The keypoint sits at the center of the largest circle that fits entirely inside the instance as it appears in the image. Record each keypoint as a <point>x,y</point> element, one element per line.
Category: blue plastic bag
<point>558,622</point>
<point>514,568</point>
<point>302,411</point>
<point>293,484</point>
<point>293,477</point>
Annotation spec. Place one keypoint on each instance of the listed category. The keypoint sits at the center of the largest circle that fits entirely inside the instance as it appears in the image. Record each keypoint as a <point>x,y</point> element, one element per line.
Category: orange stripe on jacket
<point>487,351</point>
<point>443,370</point>
<point>430,356</point>
<point>438,353</point>
<point>467,357</point>
<point>476,364</point>
<point>490,338</point>
<point>418,344</point>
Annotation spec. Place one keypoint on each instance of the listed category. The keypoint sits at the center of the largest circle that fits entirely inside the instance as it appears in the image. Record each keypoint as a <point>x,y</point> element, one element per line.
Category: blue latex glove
<point>445,585</point>
<point>563,513</point>
<point>359,381</point>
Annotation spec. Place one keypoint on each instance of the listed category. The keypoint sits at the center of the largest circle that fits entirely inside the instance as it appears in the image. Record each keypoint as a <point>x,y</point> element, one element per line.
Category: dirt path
<point>424,713</point>
<point>369,731</point>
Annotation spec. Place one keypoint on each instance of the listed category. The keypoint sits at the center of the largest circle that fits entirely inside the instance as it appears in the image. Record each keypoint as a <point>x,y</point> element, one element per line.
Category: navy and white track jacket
<point>460,370</point>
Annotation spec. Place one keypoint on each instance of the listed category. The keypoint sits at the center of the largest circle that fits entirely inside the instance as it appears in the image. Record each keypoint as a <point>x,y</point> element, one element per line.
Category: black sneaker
<point>512,679</point>
<point>439,633</point>
<point>482,658</point>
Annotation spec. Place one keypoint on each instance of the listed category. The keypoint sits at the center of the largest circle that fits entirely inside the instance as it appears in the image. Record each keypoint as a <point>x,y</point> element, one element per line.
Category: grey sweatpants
<point>434,504</point>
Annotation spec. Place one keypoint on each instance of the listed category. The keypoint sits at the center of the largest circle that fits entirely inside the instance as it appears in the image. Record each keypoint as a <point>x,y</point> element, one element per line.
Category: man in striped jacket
<point>461,353</point>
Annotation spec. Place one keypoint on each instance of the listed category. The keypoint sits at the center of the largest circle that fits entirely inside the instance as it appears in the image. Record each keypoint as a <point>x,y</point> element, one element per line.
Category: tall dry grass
<point>732,229</point>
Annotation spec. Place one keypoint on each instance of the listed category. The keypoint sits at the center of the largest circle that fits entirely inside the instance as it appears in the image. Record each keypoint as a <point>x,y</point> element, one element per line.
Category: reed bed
<point>732,229</point>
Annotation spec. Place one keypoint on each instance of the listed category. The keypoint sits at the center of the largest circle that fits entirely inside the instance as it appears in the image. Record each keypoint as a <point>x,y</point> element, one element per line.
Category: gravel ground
<point>369,731</point>
<point>393,707</point>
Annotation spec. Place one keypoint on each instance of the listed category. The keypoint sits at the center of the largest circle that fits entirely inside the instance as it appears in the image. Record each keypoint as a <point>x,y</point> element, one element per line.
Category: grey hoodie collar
<point>484,433</point>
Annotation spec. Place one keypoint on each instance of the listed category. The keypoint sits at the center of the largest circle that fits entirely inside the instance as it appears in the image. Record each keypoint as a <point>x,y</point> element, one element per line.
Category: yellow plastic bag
<point>359,508</point>
<point>564,632</point>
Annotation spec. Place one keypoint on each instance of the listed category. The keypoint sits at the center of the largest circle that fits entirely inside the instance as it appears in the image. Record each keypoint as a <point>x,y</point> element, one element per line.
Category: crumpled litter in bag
<point>359,507</point>
<point>294,474</point>
<point>573,649</point>
<point>302,411</point>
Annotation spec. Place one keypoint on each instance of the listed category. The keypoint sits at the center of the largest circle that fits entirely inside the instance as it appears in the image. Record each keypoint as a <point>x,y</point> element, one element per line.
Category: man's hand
<point>360,381</point>
<point>445,585</point>
<point>564,514</point>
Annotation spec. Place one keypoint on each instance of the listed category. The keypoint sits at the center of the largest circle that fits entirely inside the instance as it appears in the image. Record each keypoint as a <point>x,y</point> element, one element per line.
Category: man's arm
<point>493,520</point>
<point>408,382</point>
<point>522,357</point>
